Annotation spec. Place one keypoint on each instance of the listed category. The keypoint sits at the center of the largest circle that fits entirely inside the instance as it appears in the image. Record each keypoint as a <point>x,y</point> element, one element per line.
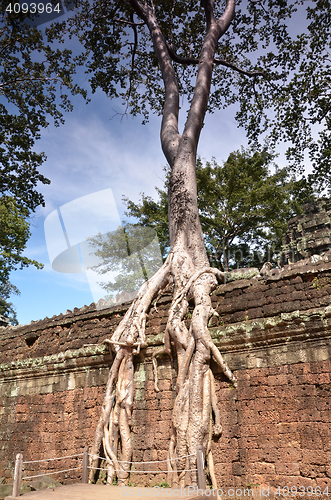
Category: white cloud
<point>94,154</point>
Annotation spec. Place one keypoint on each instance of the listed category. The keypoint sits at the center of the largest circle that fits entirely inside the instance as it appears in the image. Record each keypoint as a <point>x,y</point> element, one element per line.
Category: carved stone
<point>308,234</point>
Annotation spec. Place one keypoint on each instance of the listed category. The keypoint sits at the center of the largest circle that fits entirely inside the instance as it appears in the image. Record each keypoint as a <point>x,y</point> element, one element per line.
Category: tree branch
<point>219,62</point>
<point>169,128</point>
<point>226,19</point>
<point>244,72</point>
<point>134,50</point>
<point>209,11</point>
<point>124,21</point>
<point>11,83</point>
<point>12,41</point>
<point>198,108</point>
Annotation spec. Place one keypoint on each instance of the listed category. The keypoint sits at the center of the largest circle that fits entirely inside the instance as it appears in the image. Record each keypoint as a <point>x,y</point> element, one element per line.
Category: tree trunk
<point>187,268</point>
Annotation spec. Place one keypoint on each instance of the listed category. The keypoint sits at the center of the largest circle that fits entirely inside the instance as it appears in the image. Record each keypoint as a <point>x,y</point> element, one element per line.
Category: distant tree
<point>242,207</point>
<point>131,253</point>
<point>154,214</point>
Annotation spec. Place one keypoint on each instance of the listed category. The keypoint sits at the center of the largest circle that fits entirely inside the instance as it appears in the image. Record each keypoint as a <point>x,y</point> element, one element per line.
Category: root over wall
<point>274,334</point>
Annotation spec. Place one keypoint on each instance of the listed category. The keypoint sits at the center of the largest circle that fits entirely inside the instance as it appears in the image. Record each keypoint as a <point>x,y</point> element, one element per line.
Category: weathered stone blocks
<point>274,334</point>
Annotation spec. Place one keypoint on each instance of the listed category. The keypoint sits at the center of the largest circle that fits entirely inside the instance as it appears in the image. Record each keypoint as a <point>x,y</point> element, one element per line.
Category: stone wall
<point>274,332</point>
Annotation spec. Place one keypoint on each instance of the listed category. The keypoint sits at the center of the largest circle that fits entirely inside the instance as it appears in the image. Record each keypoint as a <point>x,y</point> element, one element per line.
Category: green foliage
<point>14,234</point>
<point>319,283</point>
<point>164,484</point>
<point>7,309</point>
<point>242,206</point>
<point>316,283</point>
<point>32,75</point>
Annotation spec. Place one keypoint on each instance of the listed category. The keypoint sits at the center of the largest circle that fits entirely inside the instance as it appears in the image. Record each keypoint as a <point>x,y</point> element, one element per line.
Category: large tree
<point>151,53</point>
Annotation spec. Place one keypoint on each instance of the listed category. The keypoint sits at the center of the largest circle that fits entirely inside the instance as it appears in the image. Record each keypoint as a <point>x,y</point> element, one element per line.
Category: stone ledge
<point>63,360</point>
<point>306,325</point>
<point>295,352</point>
<point>284,336</point>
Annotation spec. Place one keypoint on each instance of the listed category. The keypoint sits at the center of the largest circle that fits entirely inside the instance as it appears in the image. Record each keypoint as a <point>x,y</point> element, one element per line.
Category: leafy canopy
<point>273,63</point>
<point>33,78</point>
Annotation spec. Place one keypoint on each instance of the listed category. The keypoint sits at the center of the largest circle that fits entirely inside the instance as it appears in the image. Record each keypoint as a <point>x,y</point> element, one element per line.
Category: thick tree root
<point>196,395</point>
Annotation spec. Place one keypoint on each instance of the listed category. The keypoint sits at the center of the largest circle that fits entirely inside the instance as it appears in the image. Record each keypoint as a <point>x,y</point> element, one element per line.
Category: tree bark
<point>187,268</point>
